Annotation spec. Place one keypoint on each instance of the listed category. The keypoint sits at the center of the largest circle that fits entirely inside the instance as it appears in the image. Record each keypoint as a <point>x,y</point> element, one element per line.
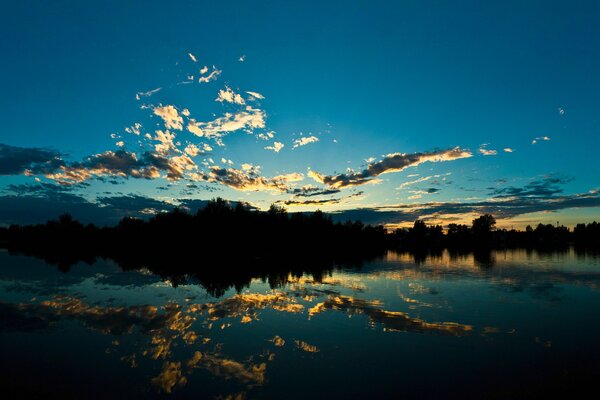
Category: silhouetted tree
<point>484,225</point>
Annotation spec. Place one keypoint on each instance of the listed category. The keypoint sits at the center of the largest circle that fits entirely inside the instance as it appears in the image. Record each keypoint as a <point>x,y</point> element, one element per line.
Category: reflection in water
<point>391,320</point>
<point>173,325</point>
<point>183,341</point>
<point>309,348</point>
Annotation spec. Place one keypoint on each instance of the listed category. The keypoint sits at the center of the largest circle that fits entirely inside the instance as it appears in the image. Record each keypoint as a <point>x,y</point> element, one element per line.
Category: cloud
<point>417,194</point>
<point>139,95</point>
<point>488,152</point>
<point>508,150</point>
<point>542,138</point>
<point>544,187</point>
<point>135,129</point>
<point>123,164</point>
<point>561,111</point>
<point>229,96</point>
<point>16,160</point>
<point>214,74</point>
<point>192,150</point>
<point>419,180</point>
<point>249,119</point>
<point>277,146</point>
<point>322,202</point>
<point>266,135</point>
<point>134,204</point>
<point>310,191</point>
<point>256,95</point>
<point>170,116</point>
<point>304,141</point>
<point>37,204</point>
<point>242,58</point>
<point>248,179</point>
<point>39,188</point>
<point>165,142</point>
<point>391,163</point>
<point>192,57</point>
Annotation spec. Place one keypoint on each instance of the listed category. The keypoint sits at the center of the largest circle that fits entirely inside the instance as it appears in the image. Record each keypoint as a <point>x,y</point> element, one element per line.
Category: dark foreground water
<point>512,324</point>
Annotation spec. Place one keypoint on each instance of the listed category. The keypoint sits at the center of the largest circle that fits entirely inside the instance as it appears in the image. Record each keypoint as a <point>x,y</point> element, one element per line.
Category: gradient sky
<point>387,111</point>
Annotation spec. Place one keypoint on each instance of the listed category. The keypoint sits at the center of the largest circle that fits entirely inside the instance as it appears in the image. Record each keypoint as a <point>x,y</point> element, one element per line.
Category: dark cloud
<point>318,202</point>
<point>549,185</point>
<point>120,163</point>
<point>309,202</point>
<point>42,188</point>
<point>499,207</point>
<point>249,179</point>
<point>193,205</point>
<point>124,164</point>
<point>27,204</point>
<point>390,163</point>
<point>36,208</point>
<point>21,160</point>
<point>33,204</point>
<point>310,191</point>
<point>133,204</point>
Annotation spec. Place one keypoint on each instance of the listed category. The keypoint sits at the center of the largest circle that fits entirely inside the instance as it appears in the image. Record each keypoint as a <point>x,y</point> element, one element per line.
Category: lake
<point>502,324</point>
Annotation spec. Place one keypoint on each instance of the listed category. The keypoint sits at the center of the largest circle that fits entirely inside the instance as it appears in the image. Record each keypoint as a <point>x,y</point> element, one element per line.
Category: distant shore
<point>179,242</point>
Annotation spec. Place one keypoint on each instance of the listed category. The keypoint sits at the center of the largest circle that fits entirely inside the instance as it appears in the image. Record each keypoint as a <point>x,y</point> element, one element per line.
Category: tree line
<point>248,240</point>
<point>483,233</point>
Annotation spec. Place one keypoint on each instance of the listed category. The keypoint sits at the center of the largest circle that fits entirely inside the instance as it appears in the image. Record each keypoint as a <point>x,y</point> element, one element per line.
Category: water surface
<point>503,324</point>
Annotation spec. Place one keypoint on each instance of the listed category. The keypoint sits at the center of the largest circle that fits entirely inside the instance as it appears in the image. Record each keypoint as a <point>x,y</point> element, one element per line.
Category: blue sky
<point>514,86</point>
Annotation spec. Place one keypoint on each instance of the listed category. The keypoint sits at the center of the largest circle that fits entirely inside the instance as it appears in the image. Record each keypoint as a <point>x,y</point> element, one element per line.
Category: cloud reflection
<point>394,321</point>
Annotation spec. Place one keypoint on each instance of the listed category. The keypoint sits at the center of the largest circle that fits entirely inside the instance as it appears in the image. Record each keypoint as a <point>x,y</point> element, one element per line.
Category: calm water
<point>506,325</point>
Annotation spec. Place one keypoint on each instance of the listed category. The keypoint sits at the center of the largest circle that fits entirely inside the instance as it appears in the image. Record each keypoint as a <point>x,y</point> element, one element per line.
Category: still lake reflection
<point>508,324</point>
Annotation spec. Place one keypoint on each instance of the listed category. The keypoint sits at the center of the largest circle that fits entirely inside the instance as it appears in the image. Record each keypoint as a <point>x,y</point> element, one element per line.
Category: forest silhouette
<point>225,246</point>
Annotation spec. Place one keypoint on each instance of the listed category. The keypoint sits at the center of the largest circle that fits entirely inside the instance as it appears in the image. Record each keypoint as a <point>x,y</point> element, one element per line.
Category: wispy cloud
<point>540,138</point>
<point>214,74</point>
<point>417,194</point>
<point>136,129</point>
<point>419,180</point>
<point>310,191</point>
<point>303,141</point>
<point>139,95</point>
<point>487,152</point>
<point>394,162</point>
<point>256,95</point>
<point>266,135</point>
<point>276,147</point>
<point>249,119</point>
<point>321,202</point>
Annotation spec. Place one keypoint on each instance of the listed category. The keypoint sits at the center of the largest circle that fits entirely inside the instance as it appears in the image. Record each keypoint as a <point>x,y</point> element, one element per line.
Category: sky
<point>383,111</point>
